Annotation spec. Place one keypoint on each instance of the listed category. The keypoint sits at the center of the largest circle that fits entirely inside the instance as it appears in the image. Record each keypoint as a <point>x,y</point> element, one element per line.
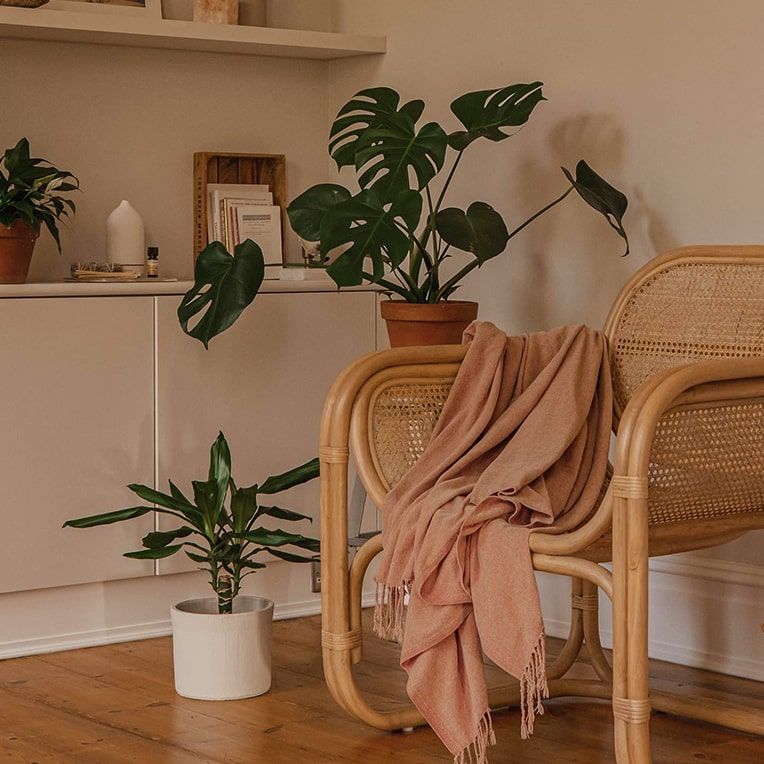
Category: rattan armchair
<point>686,338</point>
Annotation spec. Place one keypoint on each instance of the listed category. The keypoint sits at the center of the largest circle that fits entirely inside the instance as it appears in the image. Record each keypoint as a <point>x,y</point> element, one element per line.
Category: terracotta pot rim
<point>452,311</point>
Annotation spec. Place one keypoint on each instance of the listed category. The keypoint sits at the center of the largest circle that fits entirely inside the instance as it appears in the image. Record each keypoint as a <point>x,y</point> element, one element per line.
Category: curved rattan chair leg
<point>631,703</point>
<point>590,607</point>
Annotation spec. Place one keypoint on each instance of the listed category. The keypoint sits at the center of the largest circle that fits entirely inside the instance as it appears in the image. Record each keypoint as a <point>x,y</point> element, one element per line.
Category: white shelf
<point>107,29</point>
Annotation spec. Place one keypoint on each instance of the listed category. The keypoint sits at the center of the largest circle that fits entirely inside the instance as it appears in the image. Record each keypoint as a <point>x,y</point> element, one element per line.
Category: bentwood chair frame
<point>708,372</point>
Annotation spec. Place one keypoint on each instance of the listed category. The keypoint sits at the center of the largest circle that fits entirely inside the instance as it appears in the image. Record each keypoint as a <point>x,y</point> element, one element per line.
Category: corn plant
<point>218,529</point>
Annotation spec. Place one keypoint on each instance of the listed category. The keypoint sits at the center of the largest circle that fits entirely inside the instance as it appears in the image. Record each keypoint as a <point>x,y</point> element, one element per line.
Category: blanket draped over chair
<point>521,446</point>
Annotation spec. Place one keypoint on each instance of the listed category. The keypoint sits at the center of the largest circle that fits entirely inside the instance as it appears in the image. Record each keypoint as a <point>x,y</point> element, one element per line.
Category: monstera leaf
<point>480,230</point>
<point>485,112</point>
<point>371,230</point>
<point>384,145</point>
<point>307,211</point>
<point>373,107</point>
<point>224,285</point>
<point>600,195</point>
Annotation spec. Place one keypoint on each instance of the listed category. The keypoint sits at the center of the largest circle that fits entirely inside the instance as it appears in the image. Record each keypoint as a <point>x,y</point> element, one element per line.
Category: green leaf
<point>220,469</point>
<point>224,286</point>
<point>306,212</point>
<point>267,537</point>
<point>601,196</point>
<point>291,478</point>
<point>179,504</point>
<point>153,554</point>
<point>282,514</point>
<point>206,498</point>
<point>370,108</point>
<point>383,144</point>
<point>159,539</point>
<point>289,557</point>
<point>243,507</point>
<point>202,559</point>
<point>485,112</point>
<point>108,517</point>
<point>480,230</point>
<point>253,565</point>
<point>371,231</point>
<point>386,158</point>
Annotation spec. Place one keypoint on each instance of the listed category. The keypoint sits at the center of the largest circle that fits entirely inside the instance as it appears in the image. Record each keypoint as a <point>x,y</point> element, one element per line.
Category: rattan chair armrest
<point>721,381</point>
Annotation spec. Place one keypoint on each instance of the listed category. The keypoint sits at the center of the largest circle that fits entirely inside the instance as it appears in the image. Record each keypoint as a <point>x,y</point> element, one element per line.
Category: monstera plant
<point>396,230</point>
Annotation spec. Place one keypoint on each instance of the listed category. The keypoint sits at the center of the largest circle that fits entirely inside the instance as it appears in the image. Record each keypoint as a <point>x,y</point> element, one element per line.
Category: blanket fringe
<point>390,611</point>
<point>475,752</point>
<point>533,688</point>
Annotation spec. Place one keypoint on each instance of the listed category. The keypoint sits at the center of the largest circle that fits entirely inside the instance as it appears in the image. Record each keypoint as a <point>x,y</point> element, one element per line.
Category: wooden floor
<point>117,704</point>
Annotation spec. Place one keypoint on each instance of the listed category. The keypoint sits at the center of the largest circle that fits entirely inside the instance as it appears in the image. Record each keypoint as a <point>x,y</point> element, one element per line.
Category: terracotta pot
<point>411,323</point>
<point>16,247</point>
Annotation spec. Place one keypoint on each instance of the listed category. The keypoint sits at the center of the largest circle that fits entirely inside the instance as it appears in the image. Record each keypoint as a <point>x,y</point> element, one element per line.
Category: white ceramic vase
<point>126,237</point>
<point>222,657</point>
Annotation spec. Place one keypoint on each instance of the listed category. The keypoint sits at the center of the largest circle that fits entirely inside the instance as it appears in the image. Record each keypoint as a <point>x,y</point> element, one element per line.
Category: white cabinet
<point>262,382</point>
<point>76,426</point>
<point>100,391</point>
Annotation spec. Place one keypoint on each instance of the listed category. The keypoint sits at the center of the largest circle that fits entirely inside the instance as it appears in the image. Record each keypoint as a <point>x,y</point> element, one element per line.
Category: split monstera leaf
<point>395,231</point>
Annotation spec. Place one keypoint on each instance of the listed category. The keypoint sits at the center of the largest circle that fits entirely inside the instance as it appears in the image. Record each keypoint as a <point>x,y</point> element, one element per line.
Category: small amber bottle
<point>152,262</point>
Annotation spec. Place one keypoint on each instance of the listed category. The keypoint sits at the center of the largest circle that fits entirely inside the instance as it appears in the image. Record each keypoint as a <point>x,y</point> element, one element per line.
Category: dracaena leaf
<point>601,196</point>
<point>107,518</point>
<point>223,286</point>
<point>282,514</point>
<point>289,556</point>
<point>291,478</point>
<point>154,554</point>
<point>159,539</point>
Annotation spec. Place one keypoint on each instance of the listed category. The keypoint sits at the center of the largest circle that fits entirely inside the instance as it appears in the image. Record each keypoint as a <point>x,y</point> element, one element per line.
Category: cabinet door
<point>262,382</point>
<point>76,426</point>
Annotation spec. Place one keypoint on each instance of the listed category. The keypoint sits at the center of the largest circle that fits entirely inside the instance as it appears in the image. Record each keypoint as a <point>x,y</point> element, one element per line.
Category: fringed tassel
<point>533,688</point>
<point>476,751</point>
<point>390,611</point>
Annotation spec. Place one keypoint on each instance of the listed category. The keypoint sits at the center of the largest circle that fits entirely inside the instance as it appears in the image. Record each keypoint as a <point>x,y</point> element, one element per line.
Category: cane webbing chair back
<point>691,305</point>
<point>402,420</point>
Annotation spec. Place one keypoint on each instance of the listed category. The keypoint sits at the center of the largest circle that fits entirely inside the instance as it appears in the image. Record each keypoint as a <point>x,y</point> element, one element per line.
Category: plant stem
<point>539,213</point>
<point>225,590</point>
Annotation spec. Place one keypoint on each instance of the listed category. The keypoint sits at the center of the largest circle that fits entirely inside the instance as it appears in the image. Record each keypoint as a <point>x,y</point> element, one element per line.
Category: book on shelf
<point>239,211</point>
<point>261,224</point>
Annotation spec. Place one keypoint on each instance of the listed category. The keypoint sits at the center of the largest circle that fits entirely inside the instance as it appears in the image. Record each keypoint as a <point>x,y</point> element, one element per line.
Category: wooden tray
<point>217,167</point>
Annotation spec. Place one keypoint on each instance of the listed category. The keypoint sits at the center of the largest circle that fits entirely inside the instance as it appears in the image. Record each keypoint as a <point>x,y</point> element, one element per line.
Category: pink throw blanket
<point>521,445</point>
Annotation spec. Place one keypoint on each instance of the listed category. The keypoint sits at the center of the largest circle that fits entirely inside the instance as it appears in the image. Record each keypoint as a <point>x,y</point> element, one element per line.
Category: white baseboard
<point>134,633</point>
<point>704,613</point>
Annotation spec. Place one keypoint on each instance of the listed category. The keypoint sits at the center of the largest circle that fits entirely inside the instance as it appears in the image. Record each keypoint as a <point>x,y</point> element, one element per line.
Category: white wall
<point>663,98</point>
<point>127,122</point>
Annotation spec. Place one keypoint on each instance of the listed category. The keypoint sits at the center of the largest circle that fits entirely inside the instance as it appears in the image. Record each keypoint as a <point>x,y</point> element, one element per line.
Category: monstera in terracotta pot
<point>397,231</point>
<point>30,197</point>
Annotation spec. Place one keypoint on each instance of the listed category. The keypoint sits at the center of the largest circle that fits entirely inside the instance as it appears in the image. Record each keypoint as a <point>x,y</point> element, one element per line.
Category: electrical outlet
<point>315,574</point>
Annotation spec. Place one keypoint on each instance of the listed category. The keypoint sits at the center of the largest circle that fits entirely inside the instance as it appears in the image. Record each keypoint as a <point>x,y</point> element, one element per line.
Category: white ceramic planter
<point>222,657</point>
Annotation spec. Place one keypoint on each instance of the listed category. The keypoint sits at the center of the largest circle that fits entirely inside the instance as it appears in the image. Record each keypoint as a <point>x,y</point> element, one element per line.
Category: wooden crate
<point>217,167</point>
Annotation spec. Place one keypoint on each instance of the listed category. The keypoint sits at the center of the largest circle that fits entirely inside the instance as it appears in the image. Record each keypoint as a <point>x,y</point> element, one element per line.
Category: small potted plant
<point>397,231</point>
<point>30,196</point>
<point>221,644</point>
